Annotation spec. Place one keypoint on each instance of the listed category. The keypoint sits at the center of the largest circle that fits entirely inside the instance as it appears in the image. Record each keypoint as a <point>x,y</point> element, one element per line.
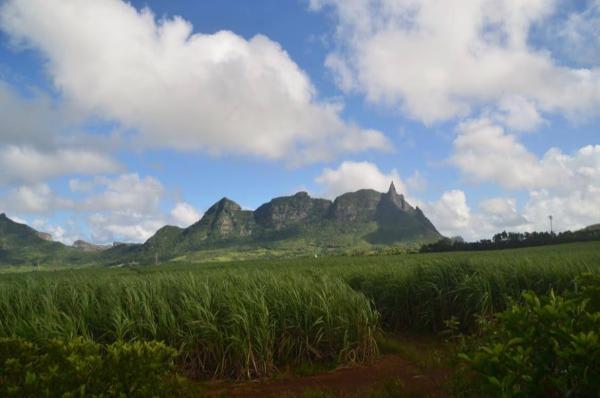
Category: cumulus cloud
<point>351,176</point>
<point>557,183</point>
<point>184,214</point>
<point>571,210</point>
<point>67,233</point>
<point>453,216</point>
<point>125,207</point>
<point>410,54</point>
<point>33,120</point>
<point>125,192</point>
<point>123,226</point>
<point>502,213</point>
<point>484,151</point>
<point>39,141</point>
<point>37,198</point>
<point>450,214</point>
<point>30,165</point>
<point>189,91</point>
<point>518,114</point>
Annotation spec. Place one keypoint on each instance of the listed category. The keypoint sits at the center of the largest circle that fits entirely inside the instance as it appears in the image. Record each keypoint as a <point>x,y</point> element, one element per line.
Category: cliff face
<point>285,212</point>
<point>367,215</point>
<point>45,236</point>
<point>355,206</point>
<point>23,245</point>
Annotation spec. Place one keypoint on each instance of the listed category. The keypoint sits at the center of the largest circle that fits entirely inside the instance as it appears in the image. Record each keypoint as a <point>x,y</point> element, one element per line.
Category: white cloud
<point>122,208</point>
<point>570,210</point>
<point>39,140</point>
<point>37,198</point>
<point>189,91</point>
<point>124,226</point>
<point>416,182</point>
<point>126,192</point>
<point>67,233</point>
<point>440,59</point>
<point>578,36</point>
<point>184,214</point>
<point>502,213</point>
<point>126,208</point>
<point>450,214</point>
<point>559,184</point>
<point>29,165</point>
<point>26,121</point>
<point>352,176</point>
<point>519,114</point>
<point>484,152</point>
<point>17,219</point>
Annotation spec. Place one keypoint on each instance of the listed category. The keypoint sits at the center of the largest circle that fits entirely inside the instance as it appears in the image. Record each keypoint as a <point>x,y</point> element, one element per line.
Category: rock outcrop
<point>367,215</point>
<point>288,211</point>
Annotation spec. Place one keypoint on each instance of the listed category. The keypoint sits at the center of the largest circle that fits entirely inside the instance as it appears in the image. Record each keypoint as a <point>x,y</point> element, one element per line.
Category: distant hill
<point>595,227</point>
<point>23,245</point>
<point>297,223</point>
<point>89,247</point>
<point>285,226</point>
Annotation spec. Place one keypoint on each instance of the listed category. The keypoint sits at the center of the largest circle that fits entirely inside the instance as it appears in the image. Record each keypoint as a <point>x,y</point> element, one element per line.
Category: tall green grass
<point>248,319</point>
<point>225,325</point>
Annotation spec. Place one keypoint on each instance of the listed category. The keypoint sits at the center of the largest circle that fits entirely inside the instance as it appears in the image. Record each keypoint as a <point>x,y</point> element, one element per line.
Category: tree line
<point>511,240</point>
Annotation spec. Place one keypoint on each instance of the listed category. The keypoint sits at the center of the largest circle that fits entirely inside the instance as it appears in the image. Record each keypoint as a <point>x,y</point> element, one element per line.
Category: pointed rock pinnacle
<point>392,189</point>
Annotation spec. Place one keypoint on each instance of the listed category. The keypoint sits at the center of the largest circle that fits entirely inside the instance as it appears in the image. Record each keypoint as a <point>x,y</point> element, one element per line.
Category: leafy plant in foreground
<point>82,368</point>
<point>544,347</point>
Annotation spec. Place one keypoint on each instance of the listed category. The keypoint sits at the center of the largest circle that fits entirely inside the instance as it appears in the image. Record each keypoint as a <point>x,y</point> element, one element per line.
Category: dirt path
<point>346,382</point>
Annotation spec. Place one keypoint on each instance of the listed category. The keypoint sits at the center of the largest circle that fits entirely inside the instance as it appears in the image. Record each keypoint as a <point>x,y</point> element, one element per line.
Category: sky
<point>117,117</point>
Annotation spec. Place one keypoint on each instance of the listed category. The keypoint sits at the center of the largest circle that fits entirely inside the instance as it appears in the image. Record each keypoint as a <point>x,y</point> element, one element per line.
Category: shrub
<point>82,368</point>
<point>548,346</point>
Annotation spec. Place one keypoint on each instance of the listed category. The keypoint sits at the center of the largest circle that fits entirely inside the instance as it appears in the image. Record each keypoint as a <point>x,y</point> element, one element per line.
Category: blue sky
<point>119,117</point>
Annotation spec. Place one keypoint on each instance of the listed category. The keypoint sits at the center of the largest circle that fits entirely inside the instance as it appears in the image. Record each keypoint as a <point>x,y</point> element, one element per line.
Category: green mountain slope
<point>285,226</point>
<point>23,245</point>
<point>291,224</point>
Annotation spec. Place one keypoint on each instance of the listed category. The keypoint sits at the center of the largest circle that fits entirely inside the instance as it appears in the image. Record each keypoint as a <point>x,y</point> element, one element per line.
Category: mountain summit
<point>296,223</point>
<point>285,226</point>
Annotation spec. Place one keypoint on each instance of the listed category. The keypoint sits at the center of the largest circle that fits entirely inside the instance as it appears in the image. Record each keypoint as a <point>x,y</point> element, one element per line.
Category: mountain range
<point>289,225</point>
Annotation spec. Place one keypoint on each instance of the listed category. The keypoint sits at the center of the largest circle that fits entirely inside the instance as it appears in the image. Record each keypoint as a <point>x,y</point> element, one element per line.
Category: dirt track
<point>346,382</point>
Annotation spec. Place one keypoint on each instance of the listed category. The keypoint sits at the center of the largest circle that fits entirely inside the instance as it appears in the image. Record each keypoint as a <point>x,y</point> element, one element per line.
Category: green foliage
<point>21,245</point>
<point>542,347</point>
<point>240,326</point>
<point>82,368</point>
<point>251,319</point>
<point>512,240</point>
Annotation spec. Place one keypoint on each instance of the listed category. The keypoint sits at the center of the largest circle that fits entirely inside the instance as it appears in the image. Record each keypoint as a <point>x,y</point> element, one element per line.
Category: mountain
<point>291,224</point>
<point>88,247</point>
<point>595,227</point>
<point>285,226</point>
<point>23,245</point>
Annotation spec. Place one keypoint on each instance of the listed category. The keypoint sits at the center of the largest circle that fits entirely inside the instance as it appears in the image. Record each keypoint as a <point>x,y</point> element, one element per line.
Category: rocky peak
<point>354,206</point>
<point>286,211</point>
<point>302,195</point>
<point>396,199</point>
<point>224,204</point>
<point>88,247</point>
<point>392,190</point>
<point>223,218</point>
<point>45,236</point>
<point>3,216</point>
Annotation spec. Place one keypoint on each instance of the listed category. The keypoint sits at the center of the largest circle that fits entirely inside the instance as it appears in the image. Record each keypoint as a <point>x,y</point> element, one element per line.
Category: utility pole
<point>551,227</point>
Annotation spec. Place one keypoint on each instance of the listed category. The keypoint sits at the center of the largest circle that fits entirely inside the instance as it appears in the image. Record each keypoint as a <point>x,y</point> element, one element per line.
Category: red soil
<point>346,382</point>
